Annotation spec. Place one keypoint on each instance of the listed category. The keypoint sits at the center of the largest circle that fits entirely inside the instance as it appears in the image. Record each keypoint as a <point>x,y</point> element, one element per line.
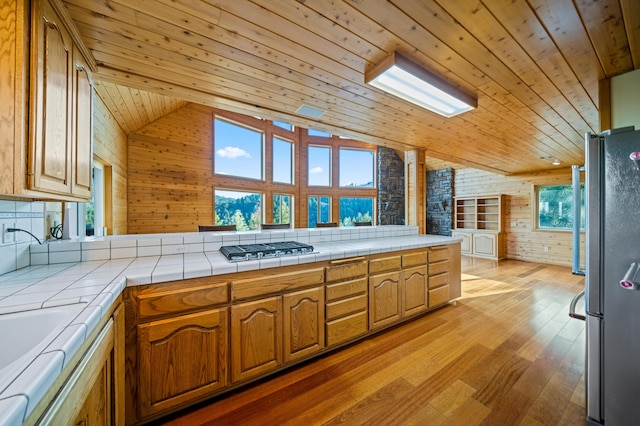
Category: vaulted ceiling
<point>534,66</point>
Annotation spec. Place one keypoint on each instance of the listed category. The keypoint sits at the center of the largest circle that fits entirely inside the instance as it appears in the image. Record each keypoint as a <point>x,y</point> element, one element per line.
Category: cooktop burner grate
<point>243,252</point>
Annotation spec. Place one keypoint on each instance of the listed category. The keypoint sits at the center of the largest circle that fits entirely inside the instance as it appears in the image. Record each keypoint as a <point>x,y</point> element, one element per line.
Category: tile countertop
<point>97,283</point>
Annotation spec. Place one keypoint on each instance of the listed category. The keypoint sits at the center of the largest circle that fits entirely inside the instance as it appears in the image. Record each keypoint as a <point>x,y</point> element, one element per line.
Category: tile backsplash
<point>14,247</point>
<point>143,245</point>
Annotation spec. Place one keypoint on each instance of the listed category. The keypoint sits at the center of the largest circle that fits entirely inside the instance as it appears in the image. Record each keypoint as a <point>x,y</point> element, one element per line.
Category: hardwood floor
<point>506,353</point>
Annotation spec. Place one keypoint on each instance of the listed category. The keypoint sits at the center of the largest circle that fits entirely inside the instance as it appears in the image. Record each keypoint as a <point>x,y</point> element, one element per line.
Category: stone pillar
<point>390,187</point>
<point>439,201</point>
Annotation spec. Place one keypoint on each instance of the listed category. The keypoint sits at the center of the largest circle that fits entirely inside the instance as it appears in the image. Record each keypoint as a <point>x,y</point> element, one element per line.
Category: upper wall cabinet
<point>50,95</point>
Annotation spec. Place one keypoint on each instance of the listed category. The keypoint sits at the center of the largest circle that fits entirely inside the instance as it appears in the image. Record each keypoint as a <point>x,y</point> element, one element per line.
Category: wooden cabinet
<point>478,222</point>
<point>384,299</point>
<point>303,319</point>
<point>182,358</point>
<point>50,95</point>
<point>414,283</point>
<point>256,338</point>
<point>346,304</point>
<point>177,345</point>
<point>438,282</point>
<point>414,290</point>
<point>399,293</point>
<point>192,339</point>
<point>90,395</point>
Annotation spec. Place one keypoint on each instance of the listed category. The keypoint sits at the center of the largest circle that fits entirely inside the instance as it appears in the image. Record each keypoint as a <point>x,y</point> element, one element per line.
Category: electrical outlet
<point>8,237</point>
<point>514,223</point>
<point>546,249</point>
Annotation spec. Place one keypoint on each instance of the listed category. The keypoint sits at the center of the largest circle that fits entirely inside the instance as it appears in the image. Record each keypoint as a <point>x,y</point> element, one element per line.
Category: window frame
<point>536,208</point>
<point>248,192</point>
<point>292,163</point>
<point>329,166</point>
<point>374,170</point>
<point>244,124</point>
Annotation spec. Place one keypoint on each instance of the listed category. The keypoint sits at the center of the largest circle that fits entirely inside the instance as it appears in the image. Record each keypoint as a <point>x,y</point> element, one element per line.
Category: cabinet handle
<point>50,24</point>
<point>347,261</point>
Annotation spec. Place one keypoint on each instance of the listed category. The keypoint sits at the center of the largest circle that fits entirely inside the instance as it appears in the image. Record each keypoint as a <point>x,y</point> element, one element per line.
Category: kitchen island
<point>240,321</point>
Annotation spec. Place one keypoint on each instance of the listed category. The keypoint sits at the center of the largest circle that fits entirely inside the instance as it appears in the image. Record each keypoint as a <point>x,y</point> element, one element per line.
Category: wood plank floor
<point>506,353</point>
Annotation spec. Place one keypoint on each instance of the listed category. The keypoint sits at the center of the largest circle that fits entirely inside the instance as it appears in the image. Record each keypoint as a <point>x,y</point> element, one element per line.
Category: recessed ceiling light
<point>556,162</point>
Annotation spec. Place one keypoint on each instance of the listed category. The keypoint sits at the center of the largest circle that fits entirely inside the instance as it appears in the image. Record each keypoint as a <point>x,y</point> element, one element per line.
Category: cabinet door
<point>181,358</point>
<point>50,148</point>
<point>256,338</point>
<point>303,323</point>
<point>82,129</point>
<point>414,290</point>
<point>466,245</point>
<point>384,299</point>
<point>485,245</point>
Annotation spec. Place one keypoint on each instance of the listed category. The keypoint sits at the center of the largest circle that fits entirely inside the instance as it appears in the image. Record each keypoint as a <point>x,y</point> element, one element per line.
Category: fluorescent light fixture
<point>401,77</point>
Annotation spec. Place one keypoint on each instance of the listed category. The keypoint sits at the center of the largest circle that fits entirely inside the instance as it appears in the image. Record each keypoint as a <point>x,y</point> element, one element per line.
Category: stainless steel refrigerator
<point>612,300</point>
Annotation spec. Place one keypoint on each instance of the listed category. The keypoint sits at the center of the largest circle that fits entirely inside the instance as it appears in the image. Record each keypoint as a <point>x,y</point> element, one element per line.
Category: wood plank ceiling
<point>533,64</point>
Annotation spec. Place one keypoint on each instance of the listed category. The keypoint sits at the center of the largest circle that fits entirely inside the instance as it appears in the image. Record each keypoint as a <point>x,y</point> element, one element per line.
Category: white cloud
<point>315,170</point>
<point>232,152</point>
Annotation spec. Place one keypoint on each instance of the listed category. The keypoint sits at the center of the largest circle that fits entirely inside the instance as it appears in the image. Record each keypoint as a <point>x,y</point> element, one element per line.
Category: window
<point>243,209</point>
<point>238,150</point>
<point>355,210</point>
<point>319,210</point>
<point>555,207</point>
<point>360,176</point>
<point>320,133</point>
<point>283,125</point>
<point>319,166</point>
<point>282,211</point>
<point>282,161</point>
<point>91,215</point>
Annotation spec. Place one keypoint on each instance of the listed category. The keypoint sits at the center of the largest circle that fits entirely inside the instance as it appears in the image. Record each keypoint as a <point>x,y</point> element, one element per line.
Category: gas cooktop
<point>243,252</point>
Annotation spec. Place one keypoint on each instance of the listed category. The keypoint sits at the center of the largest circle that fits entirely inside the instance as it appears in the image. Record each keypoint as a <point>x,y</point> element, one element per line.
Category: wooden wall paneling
<point>415,189</point>
<point>110,147</point>
<point>604,91</point>
<point>170,173</point>
<point>522,240</point>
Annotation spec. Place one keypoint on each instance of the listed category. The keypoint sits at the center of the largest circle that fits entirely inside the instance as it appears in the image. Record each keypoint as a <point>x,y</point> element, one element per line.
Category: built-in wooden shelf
<point>478,220</point>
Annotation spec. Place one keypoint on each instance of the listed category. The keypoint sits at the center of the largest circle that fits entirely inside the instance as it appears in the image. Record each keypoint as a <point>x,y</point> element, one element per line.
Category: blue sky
<point>238,152</point>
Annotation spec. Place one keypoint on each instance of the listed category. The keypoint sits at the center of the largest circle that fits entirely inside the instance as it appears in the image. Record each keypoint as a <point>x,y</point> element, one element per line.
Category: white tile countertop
<point>92,273</point>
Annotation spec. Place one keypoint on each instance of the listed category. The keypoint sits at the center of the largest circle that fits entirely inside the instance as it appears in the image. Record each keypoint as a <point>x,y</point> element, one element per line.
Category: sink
<point>25,334</point>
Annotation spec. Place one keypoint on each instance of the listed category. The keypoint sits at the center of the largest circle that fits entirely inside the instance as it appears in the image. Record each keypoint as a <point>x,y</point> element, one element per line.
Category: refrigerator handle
<point>572,307</point>
<point>630,280</point>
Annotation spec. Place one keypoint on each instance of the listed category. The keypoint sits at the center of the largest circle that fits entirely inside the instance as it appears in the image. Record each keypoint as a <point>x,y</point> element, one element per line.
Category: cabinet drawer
<point>436,254</point>
<point>176,300</point>
<point>346,306</point>
<point>347,328</point>
<point>346,289</point>
<point>438,296</point>
<point>346,268</point>
<point>266,283</point>
<point>390,263</point>
<point>437,268</point>
<point>436,281</point>
<point>412,259</point>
